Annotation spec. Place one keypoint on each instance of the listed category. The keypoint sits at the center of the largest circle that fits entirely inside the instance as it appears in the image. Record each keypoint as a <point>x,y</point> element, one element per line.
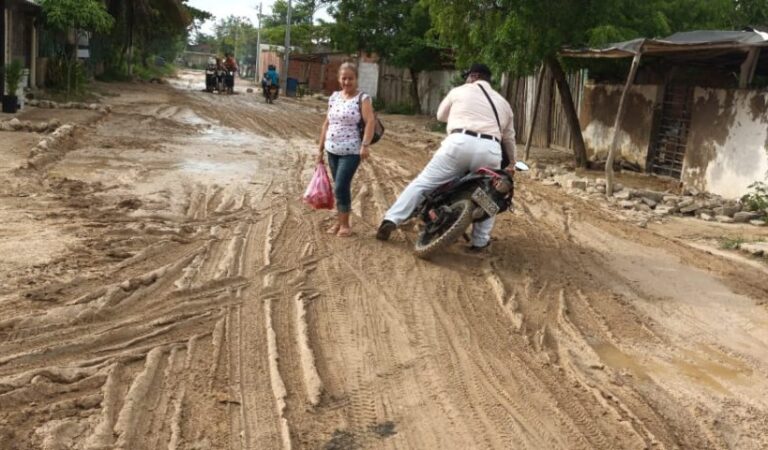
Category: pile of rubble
<point>28,126</point>
<point>69,105</point>
<point>648,204</point>
<point>756,249</point>
<point>46,151</point>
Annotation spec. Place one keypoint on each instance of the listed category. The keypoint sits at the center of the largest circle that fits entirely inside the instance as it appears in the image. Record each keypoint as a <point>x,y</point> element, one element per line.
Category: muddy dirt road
<point>162,286</point>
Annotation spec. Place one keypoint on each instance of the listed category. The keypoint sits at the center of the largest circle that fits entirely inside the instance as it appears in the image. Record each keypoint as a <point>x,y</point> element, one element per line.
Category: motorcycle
<point>229,81</point>
<point>221,75</point>
<point>270,93</point>
<point>210,78</point>
<point>452,208</point>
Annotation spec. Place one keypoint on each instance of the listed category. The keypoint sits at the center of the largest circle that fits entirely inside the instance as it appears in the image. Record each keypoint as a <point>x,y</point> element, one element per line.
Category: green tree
<point>236,35</point>
<point>518,35</point>
<point>145,28</point>
<point>302,12</point>
<point>305,33</point>
<point>73,16</point>
<point>395,30</point>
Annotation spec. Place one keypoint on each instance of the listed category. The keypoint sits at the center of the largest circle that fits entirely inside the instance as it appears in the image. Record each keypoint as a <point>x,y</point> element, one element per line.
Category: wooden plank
<point>617,125</point>
<point>536,101</point>
<point>748,68</point>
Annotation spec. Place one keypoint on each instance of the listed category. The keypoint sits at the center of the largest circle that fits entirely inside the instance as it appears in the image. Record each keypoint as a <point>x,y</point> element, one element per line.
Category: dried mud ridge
<point>218,314</point>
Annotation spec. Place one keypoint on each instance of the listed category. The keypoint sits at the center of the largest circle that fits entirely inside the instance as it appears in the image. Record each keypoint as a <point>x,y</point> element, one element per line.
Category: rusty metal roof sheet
<point>684,42</point>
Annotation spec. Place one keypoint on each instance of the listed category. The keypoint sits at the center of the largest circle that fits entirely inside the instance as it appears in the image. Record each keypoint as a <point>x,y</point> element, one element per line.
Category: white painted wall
<point>598,135</point>
<point>369,78</point>
<point>742,158</point>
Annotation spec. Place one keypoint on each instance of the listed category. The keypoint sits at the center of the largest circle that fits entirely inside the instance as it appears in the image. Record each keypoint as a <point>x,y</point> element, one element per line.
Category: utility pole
<point>237,29</point>
<point>284,82</point>
<point>257,73</point>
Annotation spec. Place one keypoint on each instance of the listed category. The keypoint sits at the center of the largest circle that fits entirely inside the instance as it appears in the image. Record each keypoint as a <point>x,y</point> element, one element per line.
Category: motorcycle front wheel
<point>428,243</point>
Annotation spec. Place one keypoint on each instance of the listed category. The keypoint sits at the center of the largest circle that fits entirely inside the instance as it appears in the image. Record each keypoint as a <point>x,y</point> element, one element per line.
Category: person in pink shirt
<point>479,119</point>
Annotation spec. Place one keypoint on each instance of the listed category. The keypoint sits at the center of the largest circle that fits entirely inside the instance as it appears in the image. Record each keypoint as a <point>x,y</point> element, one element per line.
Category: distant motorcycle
<point>270,93</point>
<point>210,78</point>
<point>452,208</point>
<point>229,81</point>
<point>221,75</point>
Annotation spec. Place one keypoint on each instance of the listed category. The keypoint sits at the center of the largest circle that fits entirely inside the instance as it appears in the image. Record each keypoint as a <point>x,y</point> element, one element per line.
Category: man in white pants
<point>473,141</point>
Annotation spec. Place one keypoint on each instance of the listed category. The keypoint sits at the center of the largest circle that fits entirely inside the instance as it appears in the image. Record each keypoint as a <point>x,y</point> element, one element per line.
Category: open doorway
<point>667,151</point>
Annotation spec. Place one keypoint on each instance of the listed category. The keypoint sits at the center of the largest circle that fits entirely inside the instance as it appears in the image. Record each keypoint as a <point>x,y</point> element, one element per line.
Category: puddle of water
<point>230,137</point>
<point>221,168</point>
<point>713,370</point>
<point>615,358</point>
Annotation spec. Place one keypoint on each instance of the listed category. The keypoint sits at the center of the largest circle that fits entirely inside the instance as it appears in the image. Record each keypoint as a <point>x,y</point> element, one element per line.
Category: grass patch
<point>61,96</point>
<point>154,71</point>
<point>437,127</point>
<point>732,243</point>
<point>400,108</point>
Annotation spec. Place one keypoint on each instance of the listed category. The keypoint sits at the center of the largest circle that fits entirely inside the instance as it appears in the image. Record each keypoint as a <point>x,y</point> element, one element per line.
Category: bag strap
<point>495,113</point>
<point>360,105</point>
<point>504,157</point>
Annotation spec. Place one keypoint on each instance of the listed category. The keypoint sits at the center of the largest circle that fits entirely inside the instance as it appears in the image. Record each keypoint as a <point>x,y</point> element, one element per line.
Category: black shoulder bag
<point>378,129</point>
<point>504,157</point>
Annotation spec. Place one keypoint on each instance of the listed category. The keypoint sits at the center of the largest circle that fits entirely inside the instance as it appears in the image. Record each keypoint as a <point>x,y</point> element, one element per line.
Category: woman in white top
<point>340,138</point>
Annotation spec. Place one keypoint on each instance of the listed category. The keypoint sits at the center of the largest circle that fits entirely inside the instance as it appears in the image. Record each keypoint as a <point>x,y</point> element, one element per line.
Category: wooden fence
<point>552,129</point>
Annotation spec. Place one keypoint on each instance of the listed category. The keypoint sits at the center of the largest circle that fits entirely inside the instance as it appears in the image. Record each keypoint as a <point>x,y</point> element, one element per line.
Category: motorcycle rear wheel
<point>426,247</point>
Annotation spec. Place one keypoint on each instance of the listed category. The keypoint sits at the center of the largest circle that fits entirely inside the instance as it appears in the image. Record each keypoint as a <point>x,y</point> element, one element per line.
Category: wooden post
<point>536,101</point>
<point>3,36</point>
<point>748,68</point>
<point>569,108</point>
<point>617,124</point>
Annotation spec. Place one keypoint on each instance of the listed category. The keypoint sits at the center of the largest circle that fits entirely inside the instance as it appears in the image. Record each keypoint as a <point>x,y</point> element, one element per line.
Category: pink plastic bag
<point>319,194</point>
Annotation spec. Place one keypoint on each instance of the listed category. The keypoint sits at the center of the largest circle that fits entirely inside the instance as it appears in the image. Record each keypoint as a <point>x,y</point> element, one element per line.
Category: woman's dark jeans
<point>343,168</point>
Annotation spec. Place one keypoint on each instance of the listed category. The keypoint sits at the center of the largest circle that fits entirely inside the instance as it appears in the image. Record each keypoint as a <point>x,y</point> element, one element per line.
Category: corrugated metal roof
<point>677,43</point>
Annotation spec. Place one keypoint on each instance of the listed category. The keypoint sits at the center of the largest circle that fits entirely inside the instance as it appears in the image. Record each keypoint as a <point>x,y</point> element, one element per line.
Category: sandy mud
<point>162,286</point>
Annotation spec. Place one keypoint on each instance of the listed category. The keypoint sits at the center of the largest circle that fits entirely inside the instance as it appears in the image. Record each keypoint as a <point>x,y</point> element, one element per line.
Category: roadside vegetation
<point>126,39</point>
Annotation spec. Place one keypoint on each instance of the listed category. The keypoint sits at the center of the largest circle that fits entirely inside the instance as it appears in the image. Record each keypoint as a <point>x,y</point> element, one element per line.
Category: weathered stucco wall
<point>728,142</point>
<point>369,78</point>
<point>395,87</point>
<point>598,113</point>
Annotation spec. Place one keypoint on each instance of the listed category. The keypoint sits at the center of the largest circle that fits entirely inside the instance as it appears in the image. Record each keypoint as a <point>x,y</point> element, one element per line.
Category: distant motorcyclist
<point>271,78</point>
<point>475,135</point>
<point>230,67</point>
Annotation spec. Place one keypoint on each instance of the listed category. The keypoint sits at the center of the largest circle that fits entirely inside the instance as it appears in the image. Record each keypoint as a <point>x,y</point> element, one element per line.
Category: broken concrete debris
<point>689,202</point>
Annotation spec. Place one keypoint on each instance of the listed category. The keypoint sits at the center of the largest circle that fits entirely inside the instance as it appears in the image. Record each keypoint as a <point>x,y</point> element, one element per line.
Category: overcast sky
<point>244,8</point>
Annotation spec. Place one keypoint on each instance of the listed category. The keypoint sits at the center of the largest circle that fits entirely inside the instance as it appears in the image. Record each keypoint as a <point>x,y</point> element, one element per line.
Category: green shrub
<point>13,73</point>
<point>57,76</point>
<point>153,71</point>
<point>758,199</point>
<point>732,243</point>
<point>400,108</point>
<point>437,127</point>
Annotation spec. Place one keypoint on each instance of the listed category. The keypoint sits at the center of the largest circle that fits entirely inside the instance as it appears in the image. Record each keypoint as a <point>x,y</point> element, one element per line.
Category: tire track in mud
<point>234,321</point>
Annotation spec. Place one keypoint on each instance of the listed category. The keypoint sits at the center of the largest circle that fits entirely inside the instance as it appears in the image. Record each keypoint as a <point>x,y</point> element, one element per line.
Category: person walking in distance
<point>341,140</point>
<point>474,140</point>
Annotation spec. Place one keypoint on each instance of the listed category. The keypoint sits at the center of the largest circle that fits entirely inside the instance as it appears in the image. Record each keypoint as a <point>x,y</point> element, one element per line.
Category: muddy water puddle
<point>705,368</point>
<point>215,155</point>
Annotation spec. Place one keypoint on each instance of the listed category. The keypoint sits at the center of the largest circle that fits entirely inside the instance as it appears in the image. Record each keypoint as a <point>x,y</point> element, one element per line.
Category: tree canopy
<point>396,30</point>
<point>516,35</point>
<point>90,15</point>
